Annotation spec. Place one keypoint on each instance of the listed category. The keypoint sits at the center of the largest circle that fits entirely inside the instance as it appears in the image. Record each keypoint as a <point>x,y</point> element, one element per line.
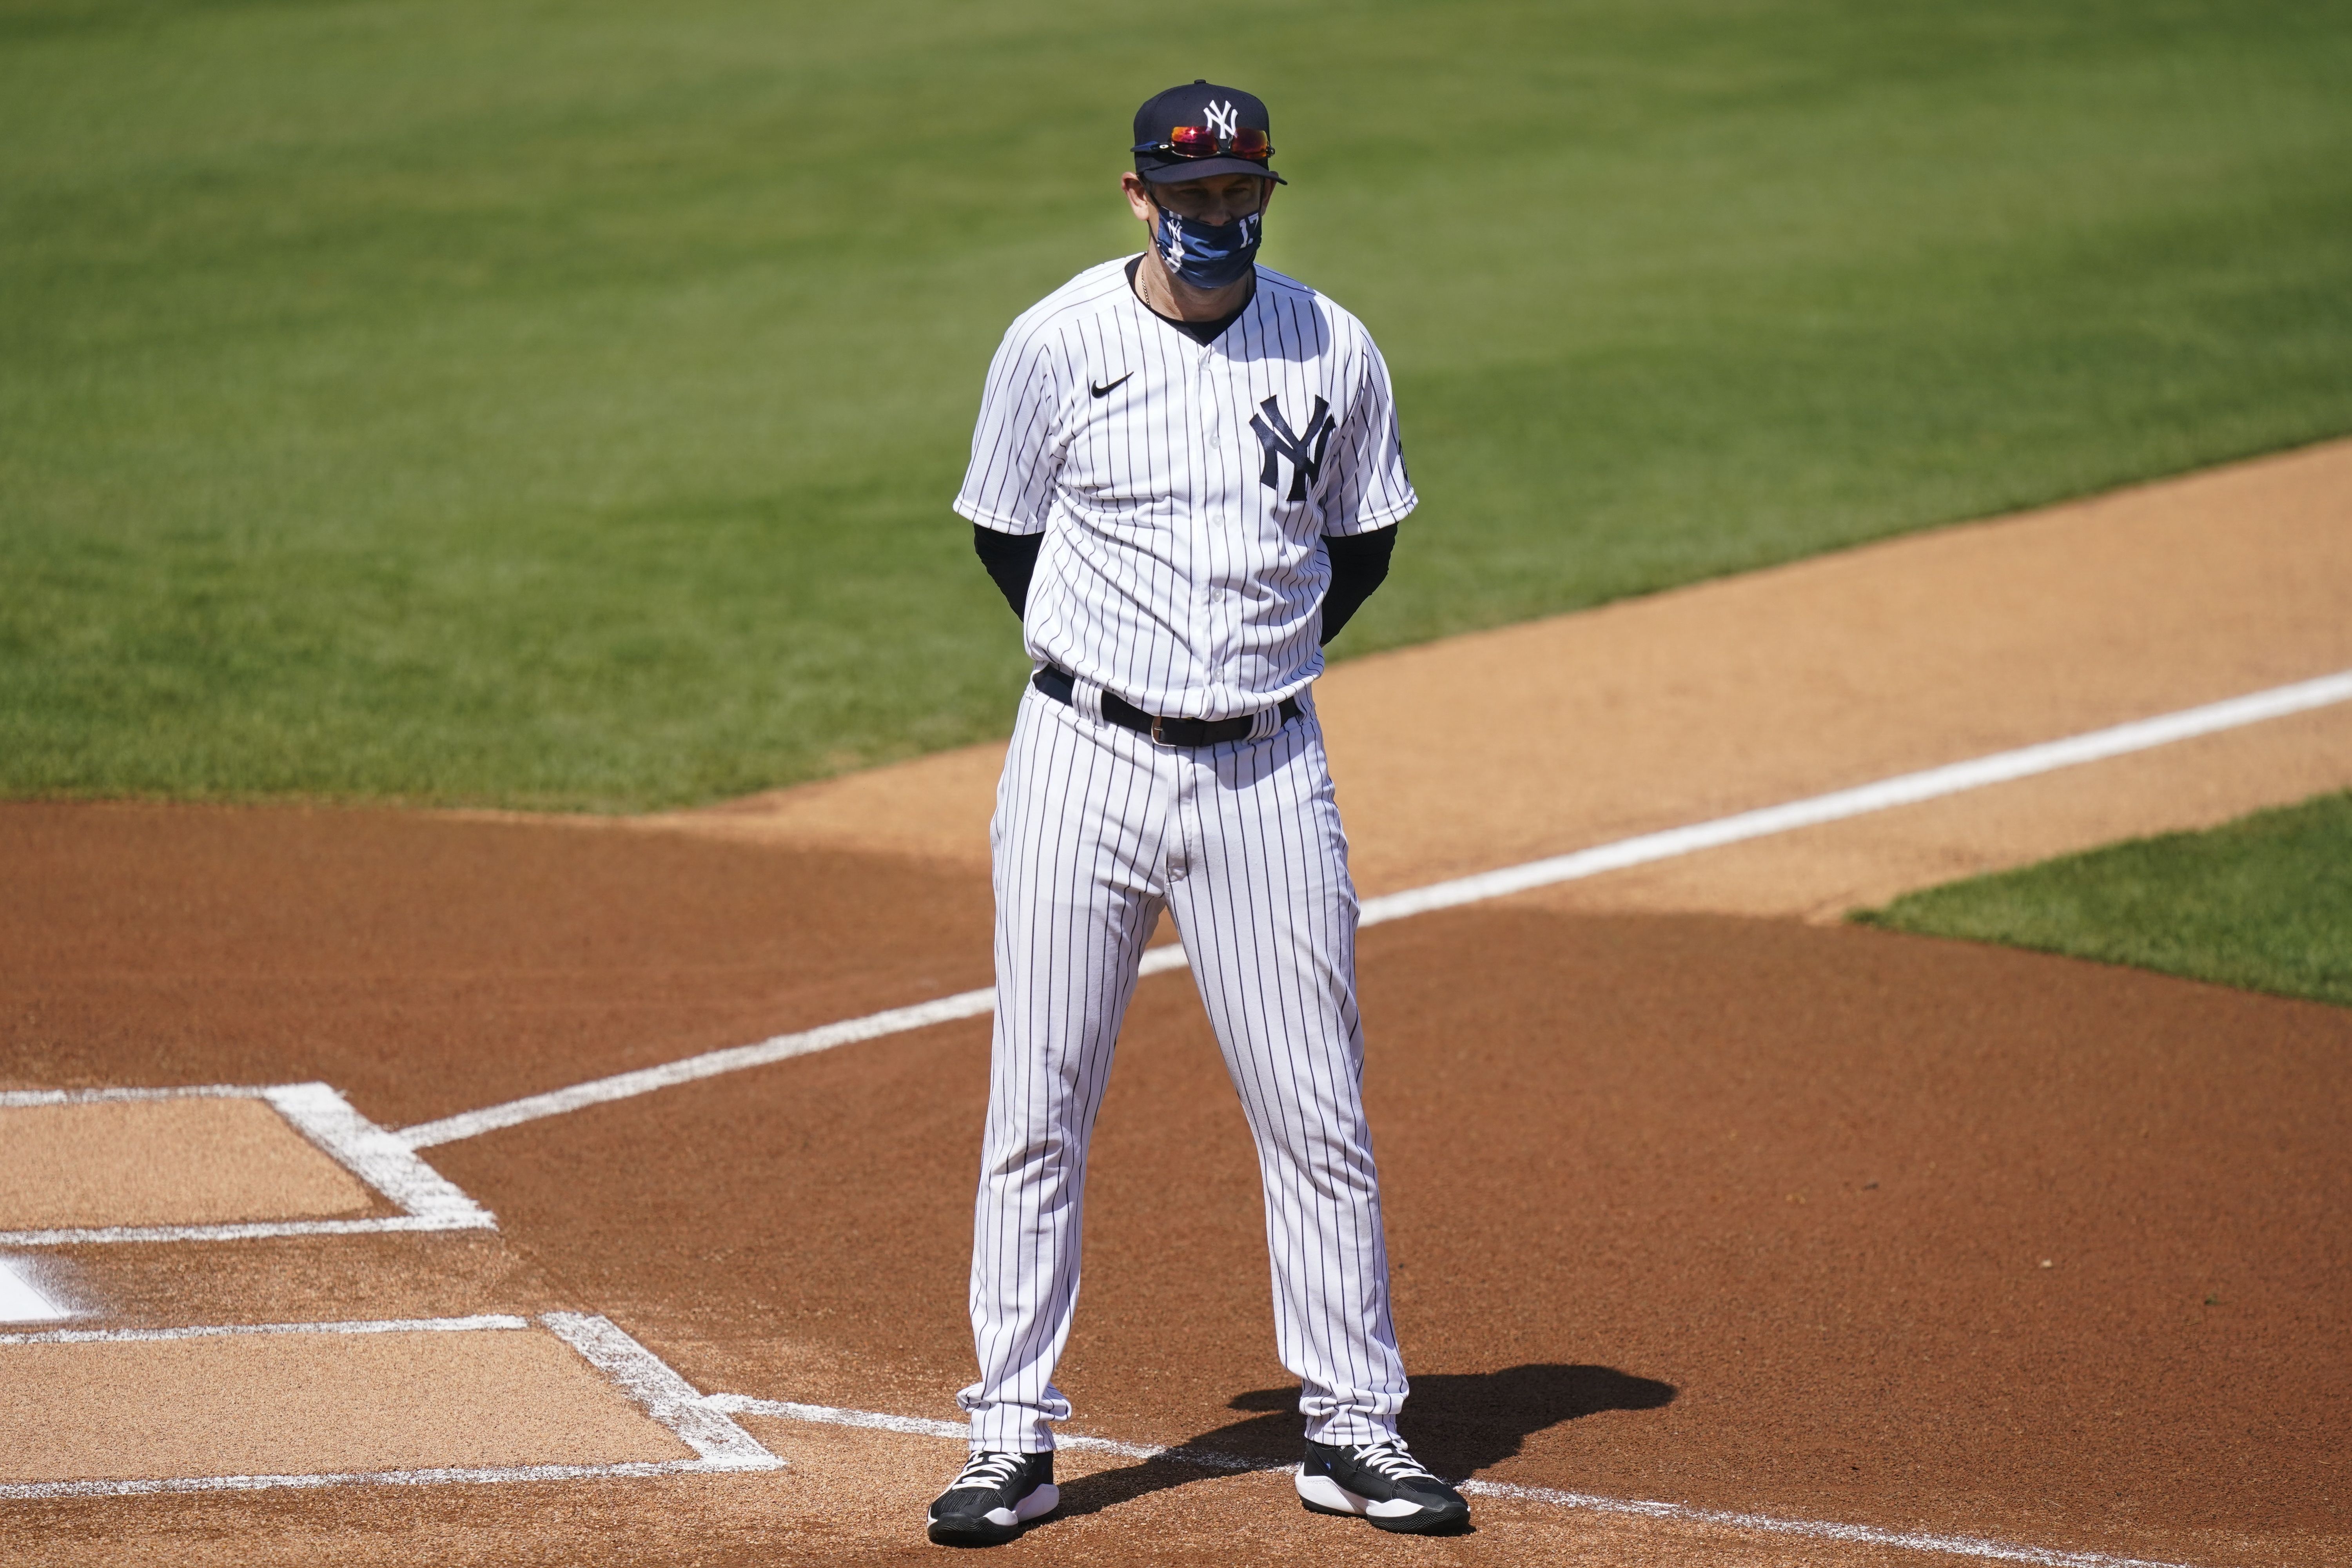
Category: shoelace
<point>1389,1456</point>
<point>984,1472</point>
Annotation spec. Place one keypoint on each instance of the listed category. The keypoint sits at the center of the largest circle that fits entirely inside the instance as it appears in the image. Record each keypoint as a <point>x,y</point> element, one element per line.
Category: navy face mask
<point>1209,255</point>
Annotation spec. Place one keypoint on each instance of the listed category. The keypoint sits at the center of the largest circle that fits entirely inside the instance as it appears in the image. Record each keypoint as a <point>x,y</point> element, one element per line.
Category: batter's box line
<point>720,1447</point>
<point>1212,1459</point>
<point>427,1200</point>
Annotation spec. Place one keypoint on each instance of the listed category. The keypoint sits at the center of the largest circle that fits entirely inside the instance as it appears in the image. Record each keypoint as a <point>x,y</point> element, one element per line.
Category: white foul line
<point>1813,1529</point>
<point>1906,789</point>
<point>1817,1529</point>
<point>622,1086</point>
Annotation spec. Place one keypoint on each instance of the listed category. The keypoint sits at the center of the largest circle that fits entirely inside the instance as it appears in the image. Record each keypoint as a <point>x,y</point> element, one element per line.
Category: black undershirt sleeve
<point>1011,559</point>
<point>1358,563</point>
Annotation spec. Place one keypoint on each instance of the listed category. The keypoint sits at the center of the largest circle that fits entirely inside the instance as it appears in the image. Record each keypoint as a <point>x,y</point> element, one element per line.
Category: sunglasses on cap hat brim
<point>1196,151</point>
<point>1201,141</point>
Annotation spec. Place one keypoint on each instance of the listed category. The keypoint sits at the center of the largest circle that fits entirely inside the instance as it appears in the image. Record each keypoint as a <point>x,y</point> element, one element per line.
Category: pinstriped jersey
<point>1183,488</point>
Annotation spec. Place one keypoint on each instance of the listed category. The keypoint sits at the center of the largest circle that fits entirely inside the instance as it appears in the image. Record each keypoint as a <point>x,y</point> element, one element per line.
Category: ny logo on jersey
<point>1304,449</point>
<point>1223,120</point>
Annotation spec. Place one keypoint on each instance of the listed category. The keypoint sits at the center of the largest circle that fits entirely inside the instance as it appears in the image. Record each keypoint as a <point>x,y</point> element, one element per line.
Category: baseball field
<point>1850,778</point>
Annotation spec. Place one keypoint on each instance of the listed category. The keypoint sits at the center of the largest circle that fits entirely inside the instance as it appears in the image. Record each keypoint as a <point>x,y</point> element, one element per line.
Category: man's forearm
<point>1360,563</point>
<point>1011,559</point>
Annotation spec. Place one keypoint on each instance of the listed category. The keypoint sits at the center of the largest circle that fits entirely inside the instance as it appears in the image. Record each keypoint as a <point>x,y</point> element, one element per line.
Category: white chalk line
<point>218,1331</point>
<point>622,1086</point>
<point>381,1159</point>
<point>256,1230</point>
<point>17,1097</point>
<point>376,1156</point>
<point>1817,1530</point>
<point>1906,789</point>
<point>667,1397</point>
<point>34,1490</point>
<point>720,1447</point>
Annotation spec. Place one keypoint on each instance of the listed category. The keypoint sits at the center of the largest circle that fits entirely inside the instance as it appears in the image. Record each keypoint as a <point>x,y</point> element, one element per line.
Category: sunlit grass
<point>2265,903</point>
<point>486,403</point>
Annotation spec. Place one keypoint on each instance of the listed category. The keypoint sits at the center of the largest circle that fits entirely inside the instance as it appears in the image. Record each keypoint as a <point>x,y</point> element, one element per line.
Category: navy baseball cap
<point>1187,133</point>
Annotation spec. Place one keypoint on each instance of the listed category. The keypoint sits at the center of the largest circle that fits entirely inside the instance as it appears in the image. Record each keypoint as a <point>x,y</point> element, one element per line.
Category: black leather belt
<point>1057,684</point>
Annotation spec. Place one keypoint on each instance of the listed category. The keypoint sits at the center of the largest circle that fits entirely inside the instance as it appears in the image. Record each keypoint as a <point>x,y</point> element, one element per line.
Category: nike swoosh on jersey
<point>1114,387</point>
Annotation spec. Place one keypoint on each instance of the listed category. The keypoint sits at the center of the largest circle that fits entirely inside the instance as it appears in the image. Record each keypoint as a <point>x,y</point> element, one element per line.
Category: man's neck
<point>1171,296</point>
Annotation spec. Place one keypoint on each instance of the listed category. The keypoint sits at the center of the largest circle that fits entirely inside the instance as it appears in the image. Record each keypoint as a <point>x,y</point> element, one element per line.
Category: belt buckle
<point>1157,738</point>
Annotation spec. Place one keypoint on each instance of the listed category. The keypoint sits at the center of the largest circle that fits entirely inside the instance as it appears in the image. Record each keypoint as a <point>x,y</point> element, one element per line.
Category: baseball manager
<point>1185,478</point>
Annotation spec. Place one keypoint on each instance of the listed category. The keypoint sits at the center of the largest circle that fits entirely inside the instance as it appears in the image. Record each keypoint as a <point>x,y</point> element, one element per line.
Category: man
<point>1186,479</point>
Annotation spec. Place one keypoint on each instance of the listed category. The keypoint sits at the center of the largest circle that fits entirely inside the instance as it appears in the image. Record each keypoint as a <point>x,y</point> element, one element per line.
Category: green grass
<point>506,403</point>
<point>2265,903</point>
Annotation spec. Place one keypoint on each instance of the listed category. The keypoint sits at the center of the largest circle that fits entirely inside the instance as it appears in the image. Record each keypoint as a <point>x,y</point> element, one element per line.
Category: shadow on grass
<point>1458,1425</point>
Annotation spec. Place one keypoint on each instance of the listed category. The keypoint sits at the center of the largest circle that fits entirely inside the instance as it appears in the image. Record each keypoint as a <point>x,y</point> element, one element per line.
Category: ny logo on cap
<point>1223,120</point>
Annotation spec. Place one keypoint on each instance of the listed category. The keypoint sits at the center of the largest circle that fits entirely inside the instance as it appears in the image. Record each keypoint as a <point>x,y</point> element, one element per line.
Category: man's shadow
<point>1457,1425</point>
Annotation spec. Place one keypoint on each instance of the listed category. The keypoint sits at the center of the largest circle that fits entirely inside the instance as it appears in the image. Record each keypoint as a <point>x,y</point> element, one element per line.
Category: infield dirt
<point>1737,1212</point>
<point>174,1162</point>
<point>1758,1216</point>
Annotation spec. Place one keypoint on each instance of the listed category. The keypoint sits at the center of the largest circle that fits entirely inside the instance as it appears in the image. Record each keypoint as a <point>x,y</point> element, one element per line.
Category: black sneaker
<point>1382,1483</point>
<point>995,1495</point>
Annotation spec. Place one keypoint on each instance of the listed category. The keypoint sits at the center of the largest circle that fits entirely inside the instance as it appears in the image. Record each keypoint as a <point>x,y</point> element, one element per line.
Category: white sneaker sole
<point>1324,1495</point>
<point>1036,1505</point>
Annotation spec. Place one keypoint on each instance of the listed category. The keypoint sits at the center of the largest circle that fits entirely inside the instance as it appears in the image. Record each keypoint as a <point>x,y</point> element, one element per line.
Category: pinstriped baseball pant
<point>1096,829</point>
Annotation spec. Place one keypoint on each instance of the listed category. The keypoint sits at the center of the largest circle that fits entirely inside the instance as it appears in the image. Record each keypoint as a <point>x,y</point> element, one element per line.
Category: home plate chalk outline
<point>719,1444</point>
<point>427,1200</point>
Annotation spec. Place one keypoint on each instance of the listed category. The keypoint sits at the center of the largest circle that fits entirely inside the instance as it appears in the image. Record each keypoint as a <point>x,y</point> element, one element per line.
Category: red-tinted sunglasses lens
<point>1200,141</point>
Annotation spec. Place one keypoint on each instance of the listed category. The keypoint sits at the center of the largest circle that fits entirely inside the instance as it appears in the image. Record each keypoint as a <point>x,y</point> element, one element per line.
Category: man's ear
<point>1140,192</point>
